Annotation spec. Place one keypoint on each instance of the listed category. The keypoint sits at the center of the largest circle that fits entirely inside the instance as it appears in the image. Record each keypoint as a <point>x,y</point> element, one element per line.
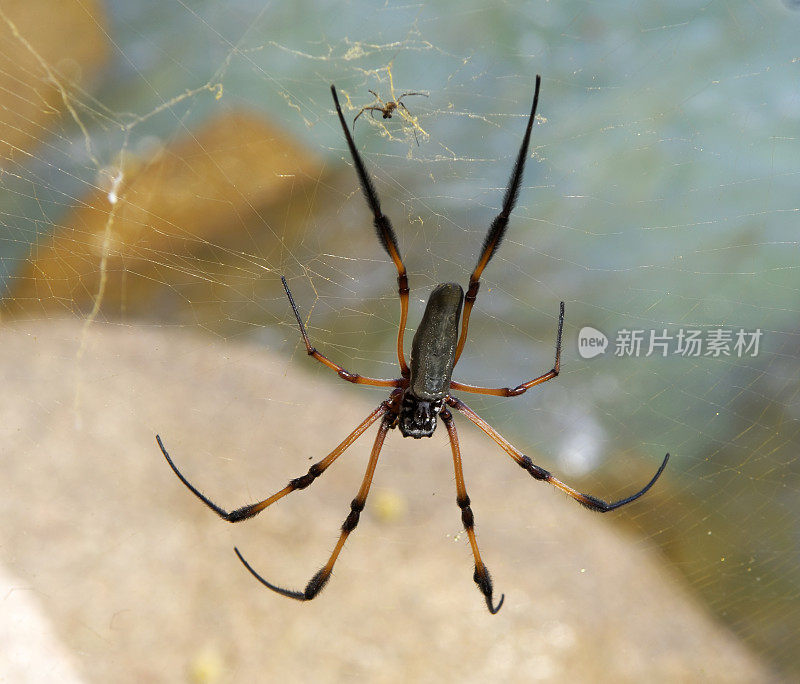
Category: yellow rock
<point>190,216</point>
<point>50,47</point>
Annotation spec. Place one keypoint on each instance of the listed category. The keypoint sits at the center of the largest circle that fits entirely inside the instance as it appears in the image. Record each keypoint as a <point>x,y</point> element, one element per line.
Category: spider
<point>387,108</point>
<point>423,393</point>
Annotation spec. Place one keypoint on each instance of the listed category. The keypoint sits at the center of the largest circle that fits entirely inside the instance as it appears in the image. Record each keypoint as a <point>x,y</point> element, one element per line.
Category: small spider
<point>387,109</point>
<point>423,392</point>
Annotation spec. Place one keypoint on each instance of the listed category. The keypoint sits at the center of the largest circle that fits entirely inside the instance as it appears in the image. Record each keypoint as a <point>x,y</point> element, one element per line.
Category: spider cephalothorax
<point>424,390</point>
<point>417,416</point>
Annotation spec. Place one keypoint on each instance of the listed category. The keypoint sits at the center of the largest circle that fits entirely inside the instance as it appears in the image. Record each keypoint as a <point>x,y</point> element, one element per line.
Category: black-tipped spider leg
<point>318,581</point>
<point>498,228</point>
<point>385,232</point>
<point>341,372</point>
<point>313,473</point>
<point>538,473</point>
<point>525,386</point>
<point>481,576</point>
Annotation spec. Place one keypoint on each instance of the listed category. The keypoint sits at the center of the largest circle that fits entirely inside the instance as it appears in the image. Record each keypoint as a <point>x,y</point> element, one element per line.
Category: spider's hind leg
<point>524,386</point>
<point>341,372</point>
<point>498,228</point>
<point>384,229</point>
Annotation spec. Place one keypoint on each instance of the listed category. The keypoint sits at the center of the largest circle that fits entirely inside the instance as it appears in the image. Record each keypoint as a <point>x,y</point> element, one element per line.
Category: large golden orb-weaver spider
<point>424,390</point>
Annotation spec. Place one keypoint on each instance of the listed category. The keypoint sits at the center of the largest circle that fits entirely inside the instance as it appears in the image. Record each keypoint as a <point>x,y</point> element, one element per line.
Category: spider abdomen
<point>433,350</point>
<point>433,354</point>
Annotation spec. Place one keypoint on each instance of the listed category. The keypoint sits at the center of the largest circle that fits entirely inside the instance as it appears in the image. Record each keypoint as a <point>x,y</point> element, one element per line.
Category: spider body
<point>433,357</point>
<point>387,109</point>
<point>424,391</point>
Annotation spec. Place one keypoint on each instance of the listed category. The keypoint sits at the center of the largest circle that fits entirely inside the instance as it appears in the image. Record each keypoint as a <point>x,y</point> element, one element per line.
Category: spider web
<point>171,162</point>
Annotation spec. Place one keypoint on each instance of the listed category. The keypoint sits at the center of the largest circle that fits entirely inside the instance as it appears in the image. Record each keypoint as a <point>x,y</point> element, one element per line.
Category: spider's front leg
<point>539,473</point>
<point>481,576</point>
<point>318,581</point>
<point>296,484</point>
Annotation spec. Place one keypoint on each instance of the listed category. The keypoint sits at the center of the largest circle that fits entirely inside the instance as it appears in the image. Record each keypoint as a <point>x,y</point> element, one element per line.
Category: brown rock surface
<point>173,224</point>
<point>140,581</point>
<point>40,70</point>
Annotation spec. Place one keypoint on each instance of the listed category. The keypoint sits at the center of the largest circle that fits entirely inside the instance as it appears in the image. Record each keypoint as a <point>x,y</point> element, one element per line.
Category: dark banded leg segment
<point>341,372</point>
<point>481,576</point>
<point>318,581</point>
<point>383,226</point>
<point>498,228</point>
<point>525,386</point>
<point>538,473</point>
<point>297,483</point>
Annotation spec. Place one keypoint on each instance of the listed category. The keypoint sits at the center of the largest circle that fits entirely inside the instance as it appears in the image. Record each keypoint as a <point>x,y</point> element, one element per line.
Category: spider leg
<point>525,386</point>
<point>411,116</point>
<point>591,502</point>
<point>498,228</point>
<point>344,374</point>
<point>481,576</point>
<point>313,473</point>
<point>318,581</point>
<point>365,109</point>
<point>407,95</point>
<point>385,232</point>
